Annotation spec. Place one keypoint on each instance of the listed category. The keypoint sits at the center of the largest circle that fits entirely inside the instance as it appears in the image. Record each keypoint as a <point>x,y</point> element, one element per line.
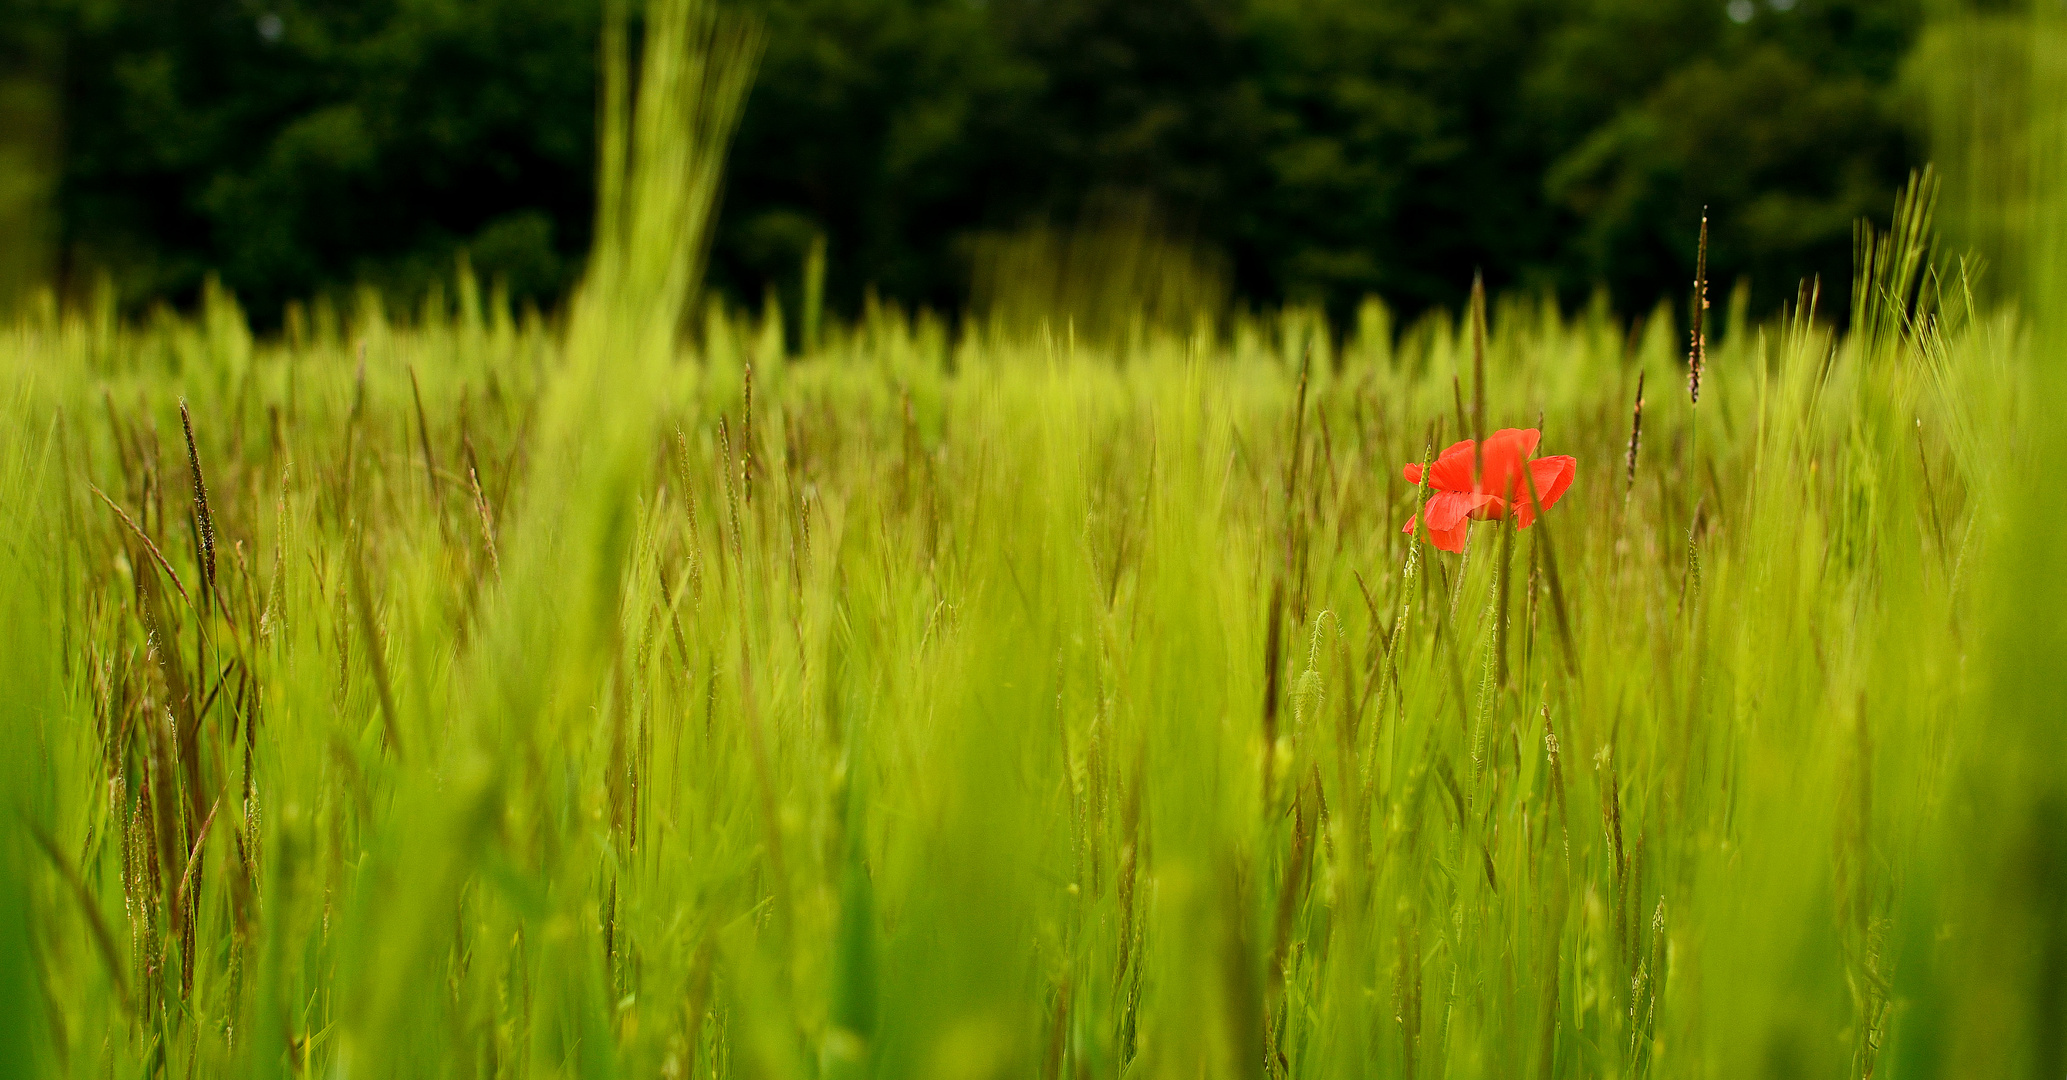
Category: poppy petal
<point>1412,472</point>
<point>1505,454</point>
<point>1452,471</point>
<point>1551,476</point>
<point>1493,509</point>
<point>1447,539</point>
<point>1451,539</point>
<point>1450,508</point>
<point>1524,439</point>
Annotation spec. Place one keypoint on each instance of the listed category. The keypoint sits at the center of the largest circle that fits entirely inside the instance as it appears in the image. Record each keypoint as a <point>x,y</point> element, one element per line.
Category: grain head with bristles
<point>1697,346</point>
<point>204,522</point>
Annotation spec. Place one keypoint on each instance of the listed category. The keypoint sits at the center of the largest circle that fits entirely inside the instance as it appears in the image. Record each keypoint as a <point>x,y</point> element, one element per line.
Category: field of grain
<point>453,694</point>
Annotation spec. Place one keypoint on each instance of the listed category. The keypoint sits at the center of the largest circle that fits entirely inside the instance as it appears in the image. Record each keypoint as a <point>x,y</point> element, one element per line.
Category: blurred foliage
<point>1324,149</point>
<point>317,143</point>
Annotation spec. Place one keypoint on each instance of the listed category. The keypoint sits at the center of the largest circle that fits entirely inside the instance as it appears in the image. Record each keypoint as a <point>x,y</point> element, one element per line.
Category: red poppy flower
<point>1500,492</point>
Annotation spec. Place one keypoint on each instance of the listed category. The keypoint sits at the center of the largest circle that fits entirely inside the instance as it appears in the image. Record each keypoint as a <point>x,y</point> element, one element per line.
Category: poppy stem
<point>1557,591</point>
<point>1502,587</point>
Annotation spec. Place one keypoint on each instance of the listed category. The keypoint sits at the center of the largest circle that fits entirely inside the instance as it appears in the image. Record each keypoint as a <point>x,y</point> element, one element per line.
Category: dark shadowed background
<point>1320,150</point>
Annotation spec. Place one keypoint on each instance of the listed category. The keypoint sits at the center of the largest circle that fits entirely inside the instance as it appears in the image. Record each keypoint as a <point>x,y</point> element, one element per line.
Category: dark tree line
<point>1324,148</point>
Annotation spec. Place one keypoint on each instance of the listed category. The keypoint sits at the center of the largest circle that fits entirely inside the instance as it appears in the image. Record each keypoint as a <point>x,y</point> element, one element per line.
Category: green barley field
<point>650,692</point>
